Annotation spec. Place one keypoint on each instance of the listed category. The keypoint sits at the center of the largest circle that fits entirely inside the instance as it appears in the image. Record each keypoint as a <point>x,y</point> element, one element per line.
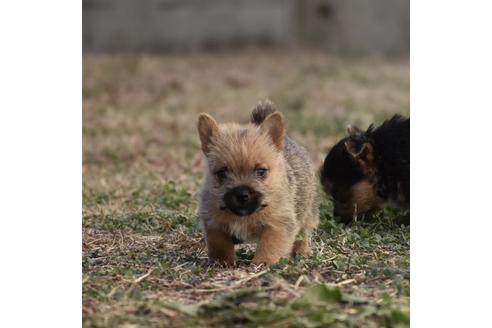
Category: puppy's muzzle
<point>243,200</point>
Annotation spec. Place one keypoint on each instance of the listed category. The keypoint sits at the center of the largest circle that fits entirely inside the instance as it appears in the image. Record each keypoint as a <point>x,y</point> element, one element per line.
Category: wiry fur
<point>284,226</point>
<point>368,168</point>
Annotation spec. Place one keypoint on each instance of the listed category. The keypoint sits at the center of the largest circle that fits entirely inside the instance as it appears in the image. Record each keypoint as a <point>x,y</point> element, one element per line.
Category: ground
<point>144,258</point>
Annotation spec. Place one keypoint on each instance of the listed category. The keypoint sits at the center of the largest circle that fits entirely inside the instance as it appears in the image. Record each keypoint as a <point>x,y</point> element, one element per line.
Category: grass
<point>144,259</point>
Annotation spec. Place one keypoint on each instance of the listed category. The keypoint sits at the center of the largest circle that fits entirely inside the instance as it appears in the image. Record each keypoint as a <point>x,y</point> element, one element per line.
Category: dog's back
<point>392,143</point>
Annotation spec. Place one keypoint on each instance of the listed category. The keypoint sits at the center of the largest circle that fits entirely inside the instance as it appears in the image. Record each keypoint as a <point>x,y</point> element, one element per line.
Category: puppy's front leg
<point>274,244</point>
<point>220,246</point>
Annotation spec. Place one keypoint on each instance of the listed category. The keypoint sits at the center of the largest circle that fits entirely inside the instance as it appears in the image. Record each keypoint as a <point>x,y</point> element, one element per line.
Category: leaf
<point>399,317</point>
<point>350,298</point>
<point>319,293</point>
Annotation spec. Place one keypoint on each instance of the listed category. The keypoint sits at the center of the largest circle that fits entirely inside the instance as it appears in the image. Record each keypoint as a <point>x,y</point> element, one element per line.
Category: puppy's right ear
<point>207,127</point>
<point>353,130</point>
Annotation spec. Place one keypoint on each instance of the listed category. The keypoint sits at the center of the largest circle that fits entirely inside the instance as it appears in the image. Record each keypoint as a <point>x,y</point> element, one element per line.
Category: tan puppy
<point>259,187</point>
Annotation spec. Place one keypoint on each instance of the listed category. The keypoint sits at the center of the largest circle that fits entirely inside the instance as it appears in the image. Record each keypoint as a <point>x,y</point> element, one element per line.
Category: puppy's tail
<point>261,111</point>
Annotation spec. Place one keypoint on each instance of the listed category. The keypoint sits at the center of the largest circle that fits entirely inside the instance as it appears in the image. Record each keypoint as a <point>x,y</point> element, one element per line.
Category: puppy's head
<point>245,163</point>
<point>348,175</point>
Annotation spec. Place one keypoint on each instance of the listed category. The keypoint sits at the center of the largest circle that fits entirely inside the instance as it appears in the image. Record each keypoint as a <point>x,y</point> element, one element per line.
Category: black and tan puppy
<point>259,187</point>
<point>368,168</point>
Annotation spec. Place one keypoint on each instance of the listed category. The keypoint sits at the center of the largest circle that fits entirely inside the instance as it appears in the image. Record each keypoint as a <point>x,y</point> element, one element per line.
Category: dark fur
<point>388,173</point>
<point>261,111</point>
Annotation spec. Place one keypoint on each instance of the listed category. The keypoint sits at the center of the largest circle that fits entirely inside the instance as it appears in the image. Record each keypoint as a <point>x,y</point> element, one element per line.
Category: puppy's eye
<point>261,172</point>
<point>221,174</point>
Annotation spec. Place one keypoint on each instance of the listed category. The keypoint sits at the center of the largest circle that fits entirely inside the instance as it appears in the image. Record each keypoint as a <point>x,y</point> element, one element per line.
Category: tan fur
<point>285,225</point>
<point>222,247</point>
<point>365,198</point>
<point>207,127</point>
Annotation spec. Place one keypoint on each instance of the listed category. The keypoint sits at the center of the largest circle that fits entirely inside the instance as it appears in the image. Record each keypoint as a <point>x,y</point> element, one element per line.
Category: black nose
<point>242,195</point>
<point>243,200</point>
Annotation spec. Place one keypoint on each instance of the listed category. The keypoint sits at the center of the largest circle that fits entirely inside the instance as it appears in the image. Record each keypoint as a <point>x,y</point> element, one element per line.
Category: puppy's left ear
<point>363,155</point>
<point>353,130</point>
<point>274,125</point>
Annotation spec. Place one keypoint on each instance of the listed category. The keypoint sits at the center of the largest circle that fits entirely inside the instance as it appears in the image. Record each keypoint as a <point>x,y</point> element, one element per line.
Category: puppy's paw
<point>257,260</point>
<point>301,247</point>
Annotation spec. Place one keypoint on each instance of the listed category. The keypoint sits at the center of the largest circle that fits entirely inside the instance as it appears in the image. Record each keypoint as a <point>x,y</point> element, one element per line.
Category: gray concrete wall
<point>357,26</point>
<point>341,26</point>
<point>156,25</point>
